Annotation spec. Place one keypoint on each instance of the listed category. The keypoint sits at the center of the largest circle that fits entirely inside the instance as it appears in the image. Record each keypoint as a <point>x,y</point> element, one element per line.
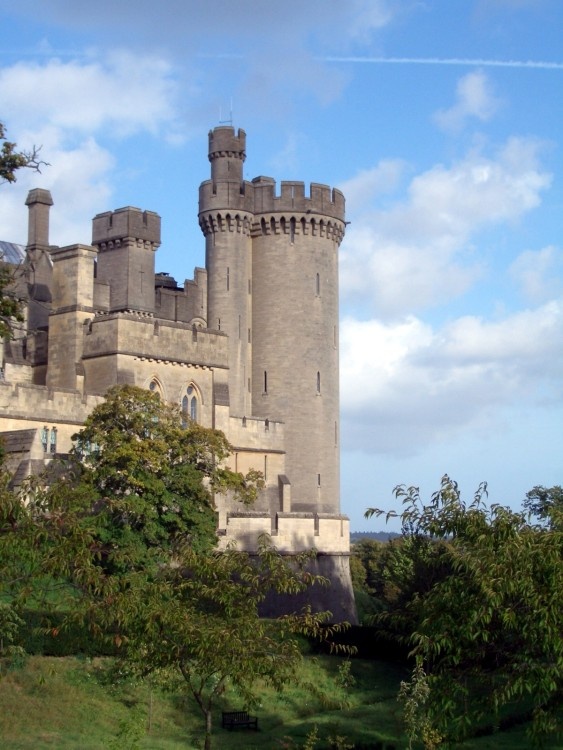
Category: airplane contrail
<point>477,62</point>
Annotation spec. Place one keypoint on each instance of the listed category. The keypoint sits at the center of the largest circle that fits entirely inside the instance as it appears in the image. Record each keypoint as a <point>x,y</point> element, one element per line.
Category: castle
<point>249,346</point>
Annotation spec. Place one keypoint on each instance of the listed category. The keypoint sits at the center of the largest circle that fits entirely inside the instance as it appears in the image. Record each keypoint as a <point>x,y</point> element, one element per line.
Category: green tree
<point>11,159</point>
<point>127,529</point>
<point>397,573</point>
<point>546,503</point>
<point>136,485</point>
<point>196,627</point>
<point>487,631</point>
<point>192,624</point>
<point>151,476</point>
<point>10,303</point>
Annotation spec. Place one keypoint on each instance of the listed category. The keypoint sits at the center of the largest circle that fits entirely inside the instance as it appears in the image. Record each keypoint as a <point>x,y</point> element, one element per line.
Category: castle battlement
<point>251,433</point>
<point>322,199</point>
<point>134,334</point>
<point>126,223</point>
<point>291,532</point>
<point>223,141</point>
<point>259,197</point>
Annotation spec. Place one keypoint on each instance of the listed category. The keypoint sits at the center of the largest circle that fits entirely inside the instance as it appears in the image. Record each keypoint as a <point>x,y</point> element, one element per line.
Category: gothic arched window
<point>155,387</point>
<point>189,405</point>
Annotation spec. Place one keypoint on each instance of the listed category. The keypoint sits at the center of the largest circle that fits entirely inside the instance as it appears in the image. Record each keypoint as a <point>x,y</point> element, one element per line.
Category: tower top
<point>227,152</point>
<point>126,223</point>
<point>223,142</point>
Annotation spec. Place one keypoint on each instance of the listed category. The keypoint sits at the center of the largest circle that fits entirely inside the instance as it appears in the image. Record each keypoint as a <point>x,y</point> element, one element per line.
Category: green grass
<point>65,703</point>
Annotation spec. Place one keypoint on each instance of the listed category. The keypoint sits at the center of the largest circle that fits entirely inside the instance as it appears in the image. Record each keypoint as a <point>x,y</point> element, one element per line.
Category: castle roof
<point>10,252</point>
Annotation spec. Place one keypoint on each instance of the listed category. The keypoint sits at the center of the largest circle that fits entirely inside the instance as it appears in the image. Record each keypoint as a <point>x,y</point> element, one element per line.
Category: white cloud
<point>368,16</point>
<point>123,95</point>
<point>75,109</point>
<point>417,253</point>
<point>539,273</point>
<point>406,385</point>
<point>79,178</point>
<point>180,21</point>
<point>474,98</point>
<point>368,184</point>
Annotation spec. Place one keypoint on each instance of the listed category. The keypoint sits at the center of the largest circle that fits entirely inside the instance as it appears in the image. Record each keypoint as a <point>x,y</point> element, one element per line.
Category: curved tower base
<point>291,533</point>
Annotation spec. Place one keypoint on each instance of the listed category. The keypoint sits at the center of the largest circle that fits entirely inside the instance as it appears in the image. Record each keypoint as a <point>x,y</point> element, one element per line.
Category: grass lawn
<point>64,703</point>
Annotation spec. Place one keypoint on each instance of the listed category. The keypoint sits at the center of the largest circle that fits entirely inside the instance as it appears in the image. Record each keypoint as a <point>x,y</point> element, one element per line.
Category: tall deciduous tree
<point>487,632</point>
<point>153,476</point>
<point>197,626</point>
<point>128,526</point>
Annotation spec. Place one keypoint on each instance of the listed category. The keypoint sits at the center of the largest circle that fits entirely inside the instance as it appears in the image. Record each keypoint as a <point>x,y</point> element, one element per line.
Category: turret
<point>126,240</point>
<point>226,220</point>
<point>227,153</point>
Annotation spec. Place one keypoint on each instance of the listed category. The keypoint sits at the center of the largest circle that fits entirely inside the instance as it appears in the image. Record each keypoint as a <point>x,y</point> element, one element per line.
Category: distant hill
<point>378,536</point>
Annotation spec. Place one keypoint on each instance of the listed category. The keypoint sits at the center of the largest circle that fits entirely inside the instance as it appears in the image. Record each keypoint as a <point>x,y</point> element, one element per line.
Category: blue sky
<point>441,122</point>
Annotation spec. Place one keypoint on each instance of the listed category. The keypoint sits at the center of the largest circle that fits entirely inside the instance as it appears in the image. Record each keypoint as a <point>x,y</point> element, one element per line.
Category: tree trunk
<point>207,745</point>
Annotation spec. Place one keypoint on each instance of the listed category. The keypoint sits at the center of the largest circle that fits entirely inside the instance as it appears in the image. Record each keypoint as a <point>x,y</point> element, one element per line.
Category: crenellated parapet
<point>328,533</point>
<point>126,225</point>
<point>253,207</point>
<point>322,200</point>
<point>223,141</point>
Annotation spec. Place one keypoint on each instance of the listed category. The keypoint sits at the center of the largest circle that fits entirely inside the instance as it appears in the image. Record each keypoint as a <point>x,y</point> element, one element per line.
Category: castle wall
<point>72,304</point>
<point>188,305</point>
<point>327,533</point>
<point>26,406</point>
<point>257,444</point>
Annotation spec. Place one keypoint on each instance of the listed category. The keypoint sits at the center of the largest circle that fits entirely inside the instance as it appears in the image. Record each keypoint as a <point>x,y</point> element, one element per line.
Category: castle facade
<point>248,346</point>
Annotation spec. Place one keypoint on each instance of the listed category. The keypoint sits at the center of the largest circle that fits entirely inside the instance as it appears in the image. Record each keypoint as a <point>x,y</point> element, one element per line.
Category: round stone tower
<point>272,263</point>
<point>295,335</point>
<point>225,219</point>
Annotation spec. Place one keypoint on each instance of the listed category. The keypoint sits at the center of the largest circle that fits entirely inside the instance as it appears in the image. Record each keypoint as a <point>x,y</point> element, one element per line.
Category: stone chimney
<point>39,202</point>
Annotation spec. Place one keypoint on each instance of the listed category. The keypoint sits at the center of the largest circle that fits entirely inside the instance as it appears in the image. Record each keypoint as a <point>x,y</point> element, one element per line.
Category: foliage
<point>138,487</point>
<point>492,618</point>
<point>10,627</point>
<point>128,526</point>
<point>414,696</point>
<point>10,304</point>
<point>546,503</point>
<point>365,565</point>
<point>345,677</point>
<point>11,159</point>
<point>397,573</point>
<point>199,622</point>
<point>138,484</point>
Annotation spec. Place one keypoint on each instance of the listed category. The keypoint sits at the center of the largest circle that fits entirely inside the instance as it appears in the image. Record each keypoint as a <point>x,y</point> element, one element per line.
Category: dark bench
<point>236,719</point>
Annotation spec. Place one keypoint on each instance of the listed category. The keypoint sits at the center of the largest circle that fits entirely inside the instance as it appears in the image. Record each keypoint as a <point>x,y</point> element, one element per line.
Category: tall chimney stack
<point>39,202</point>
